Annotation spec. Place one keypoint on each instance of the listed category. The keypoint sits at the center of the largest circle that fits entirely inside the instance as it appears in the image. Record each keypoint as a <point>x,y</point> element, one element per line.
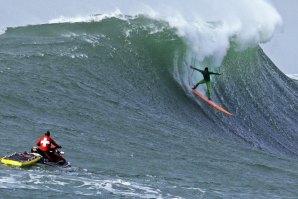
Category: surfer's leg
<point>200,82</point>
<point>208,83</point>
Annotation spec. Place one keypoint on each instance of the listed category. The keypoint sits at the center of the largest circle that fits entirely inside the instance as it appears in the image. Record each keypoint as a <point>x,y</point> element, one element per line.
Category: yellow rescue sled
<point>21,159</point>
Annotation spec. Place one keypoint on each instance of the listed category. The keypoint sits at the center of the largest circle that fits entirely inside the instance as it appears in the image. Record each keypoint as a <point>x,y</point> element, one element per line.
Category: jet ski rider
<point>46,145</point>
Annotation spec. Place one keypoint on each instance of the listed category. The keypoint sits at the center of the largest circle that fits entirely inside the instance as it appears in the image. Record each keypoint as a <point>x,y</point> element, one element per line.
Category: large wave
<point>262,97</point>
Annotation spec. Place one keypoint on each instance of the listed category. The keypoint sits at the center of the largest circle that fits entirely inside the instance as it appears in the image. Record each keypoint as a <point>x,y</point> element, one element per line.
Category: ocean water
<point>116,93</point>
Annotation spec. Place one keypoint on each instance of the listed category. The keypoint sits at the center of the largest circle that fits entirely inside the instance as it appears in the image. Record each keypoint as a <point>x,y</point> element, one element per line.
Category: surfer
<point>206,74</point>
<point>46,145</point>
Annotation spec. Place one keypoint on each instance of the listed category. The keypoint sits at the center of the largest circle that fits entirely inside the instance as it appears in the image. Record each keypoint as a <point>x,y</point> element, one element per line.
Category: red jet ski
<point>53,158</point>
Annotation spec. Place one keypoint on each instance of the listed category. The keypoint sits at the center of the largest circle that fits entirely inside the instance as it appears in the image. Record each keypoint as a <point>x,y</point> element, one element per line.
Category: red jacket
<point>45,142</point>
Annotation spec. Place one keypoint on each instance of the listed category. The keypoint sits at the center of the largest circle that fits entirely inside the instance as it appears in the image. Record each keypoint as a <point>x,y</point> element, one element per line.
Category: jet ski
<point>54,158</point>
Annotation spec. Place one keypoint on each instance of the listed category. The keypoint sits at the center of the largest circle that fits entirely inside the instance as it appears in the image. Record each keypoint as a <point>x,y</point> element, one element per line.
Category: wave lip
<point>293,76</point>
<point>207,25</point>
<point>90,18</point>
<point>2,30</point>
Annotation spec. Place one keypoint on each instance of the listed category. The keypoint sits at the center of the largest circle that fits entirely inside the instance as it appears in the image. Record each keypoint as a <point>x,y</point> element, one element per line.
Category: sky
<point>282,49</point>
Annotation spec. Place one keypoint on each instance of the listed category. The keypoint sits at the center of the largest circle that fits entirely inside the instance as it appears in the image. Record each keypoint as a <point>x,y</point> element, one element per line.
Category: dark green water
<point>116,95</point>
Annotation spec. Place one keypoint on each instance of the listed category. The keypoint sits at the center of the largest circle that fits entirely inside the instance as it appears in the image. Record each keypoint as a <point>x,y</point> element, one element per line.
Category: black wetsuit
<point>206,74</point>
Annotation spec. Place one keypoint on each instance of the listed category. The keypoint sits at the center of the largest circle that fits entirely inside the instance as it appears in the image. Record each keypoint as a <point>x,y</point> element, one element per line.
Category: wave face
<point>116,94</point>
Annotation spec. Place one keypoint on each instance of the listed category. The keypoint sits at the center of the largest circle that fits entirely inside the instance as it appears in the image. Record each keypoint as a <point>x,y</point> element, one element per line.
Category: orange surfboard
<point>203,97</point>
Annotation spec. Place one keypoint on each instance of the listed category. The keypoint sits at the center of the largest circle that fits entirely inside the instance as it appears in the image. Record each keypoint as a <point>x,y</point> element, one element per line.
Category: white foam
<point>121,187</point>
<point>90,18</point>
<point>293,76</point>
<point>210,25</point>
<point>2,30</point>
<point>14,181</point>
<point>87,185</point>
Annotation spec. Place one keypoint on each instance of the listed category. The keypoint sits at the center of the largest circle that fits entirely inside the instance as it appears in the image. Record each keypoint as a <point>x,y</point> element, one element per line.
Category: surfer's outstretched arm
<point>196,68</point>
<point>211,73</point>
